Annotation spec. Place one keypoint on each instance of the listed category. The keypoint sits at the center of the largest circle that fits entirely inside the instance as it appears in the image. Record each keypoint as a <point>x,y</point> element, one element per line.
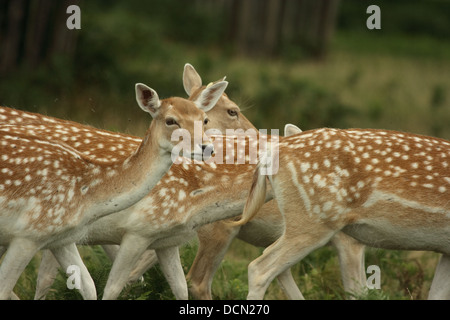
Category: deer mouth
<point>201,156</point>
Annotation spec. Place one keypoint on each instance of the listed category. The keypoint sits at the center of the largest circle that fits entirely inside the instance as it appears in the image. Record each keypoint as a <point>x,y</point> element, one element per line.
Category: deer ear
<point>290,130</point>
<point>209,97</point>
<point>191,79</point>
<point>147,99</point>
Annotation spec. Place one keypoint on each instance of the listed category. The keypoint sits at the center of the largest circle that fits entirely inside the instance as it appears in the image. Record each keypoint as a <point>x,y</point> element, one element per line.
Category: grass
<point>404,276</point>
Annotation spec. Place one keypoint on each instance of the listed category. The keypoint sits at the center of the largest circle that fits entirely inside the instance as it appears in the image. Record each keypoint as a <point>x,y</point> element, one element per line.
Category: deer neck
<point>127,182</point>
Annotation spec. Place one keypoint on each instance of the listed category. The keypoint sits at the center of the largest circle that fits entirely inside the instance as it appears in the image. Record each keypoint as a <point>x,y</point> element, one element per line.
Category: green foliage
<point>369,294</point>
<point>153,287</point>
<point>312,105</point>
<point>410,18</point>
<point>404,276</point>
<point>369,78</point>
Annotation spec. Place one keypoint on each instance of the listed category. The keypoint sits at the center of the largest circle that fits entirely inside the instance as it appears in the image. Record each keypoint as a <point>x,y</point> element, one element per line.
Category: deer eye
<point>206,121</point>
<point>171,122</point>
<point>232,112</point>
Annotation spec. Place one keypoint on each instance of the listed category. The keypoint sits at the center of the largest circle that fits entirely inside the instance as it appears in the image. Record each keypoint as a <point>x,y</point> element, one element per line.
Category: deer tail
<point>256,197</point>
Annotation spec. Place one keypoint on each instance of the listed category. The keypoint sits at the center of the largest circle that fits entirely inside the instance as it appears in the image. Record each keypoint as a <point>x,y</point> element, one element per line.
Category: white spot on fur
<point>181,195</point>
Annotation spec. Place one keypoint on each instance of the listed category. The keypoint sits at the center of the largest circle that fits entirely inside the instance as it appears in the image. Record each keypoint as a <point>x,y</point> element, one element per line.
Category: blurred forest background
<point>312,63</point>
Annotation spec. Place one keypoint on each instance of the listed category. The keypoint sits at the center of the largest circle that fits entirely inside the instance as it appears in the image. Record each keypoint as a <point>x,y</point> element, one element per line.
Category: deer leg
<point>169,260</point>
<point>111,250</point>
<point>48,270</point>
<point>2,251</point>
<point>440,287</point>
<point>131,249</point>
<point>290,288</point>
<point>20,252</point>
<point>147,260</point>
<point>68,256</point>
<point>290,248</point>
<point>351,260</point>
<point>208,257</point>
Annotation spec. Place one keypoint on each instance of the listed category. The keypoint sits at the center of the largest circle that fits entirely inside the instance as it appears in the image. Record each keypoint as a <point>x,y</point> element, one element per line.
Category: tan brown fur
<point>385,188</point>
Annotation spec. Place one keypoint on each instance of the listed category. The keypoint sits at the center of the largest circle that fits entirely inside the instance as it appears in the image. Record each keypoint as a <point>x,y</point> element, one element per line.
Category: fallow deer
<point>96,143</point>
<point>50,191</point>
<point>386,189</point>
<point>117,230</point>
<point>264,229</point>
<point>350,252</point>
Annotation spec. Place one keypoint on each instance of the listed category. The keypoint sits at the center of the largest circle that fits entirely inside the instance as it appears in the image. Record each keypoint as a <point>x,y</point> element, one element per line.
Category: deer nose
<point>207,150</point>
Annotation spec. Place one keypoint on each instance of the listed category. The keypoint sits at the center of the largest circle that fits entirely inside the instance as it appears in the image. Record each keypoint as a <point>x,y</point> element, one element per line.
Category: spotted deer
<point>230,117</point>
<point>386,189</point>
<point>265,228</point>
<point>165,213</point>
<point>225,114</point>
<point>215,238</point>
<point>228,197</point>
<point>50,191</point>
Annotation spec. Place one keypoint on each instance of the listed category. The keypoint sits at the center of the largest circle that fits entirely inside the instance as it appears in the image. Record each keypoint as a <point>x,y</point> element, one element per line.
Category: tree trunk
<point>12,41</point>
<point>32,32</point>
<point>64,40</point>
<point>263,26</point>
<point>35,36</point>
